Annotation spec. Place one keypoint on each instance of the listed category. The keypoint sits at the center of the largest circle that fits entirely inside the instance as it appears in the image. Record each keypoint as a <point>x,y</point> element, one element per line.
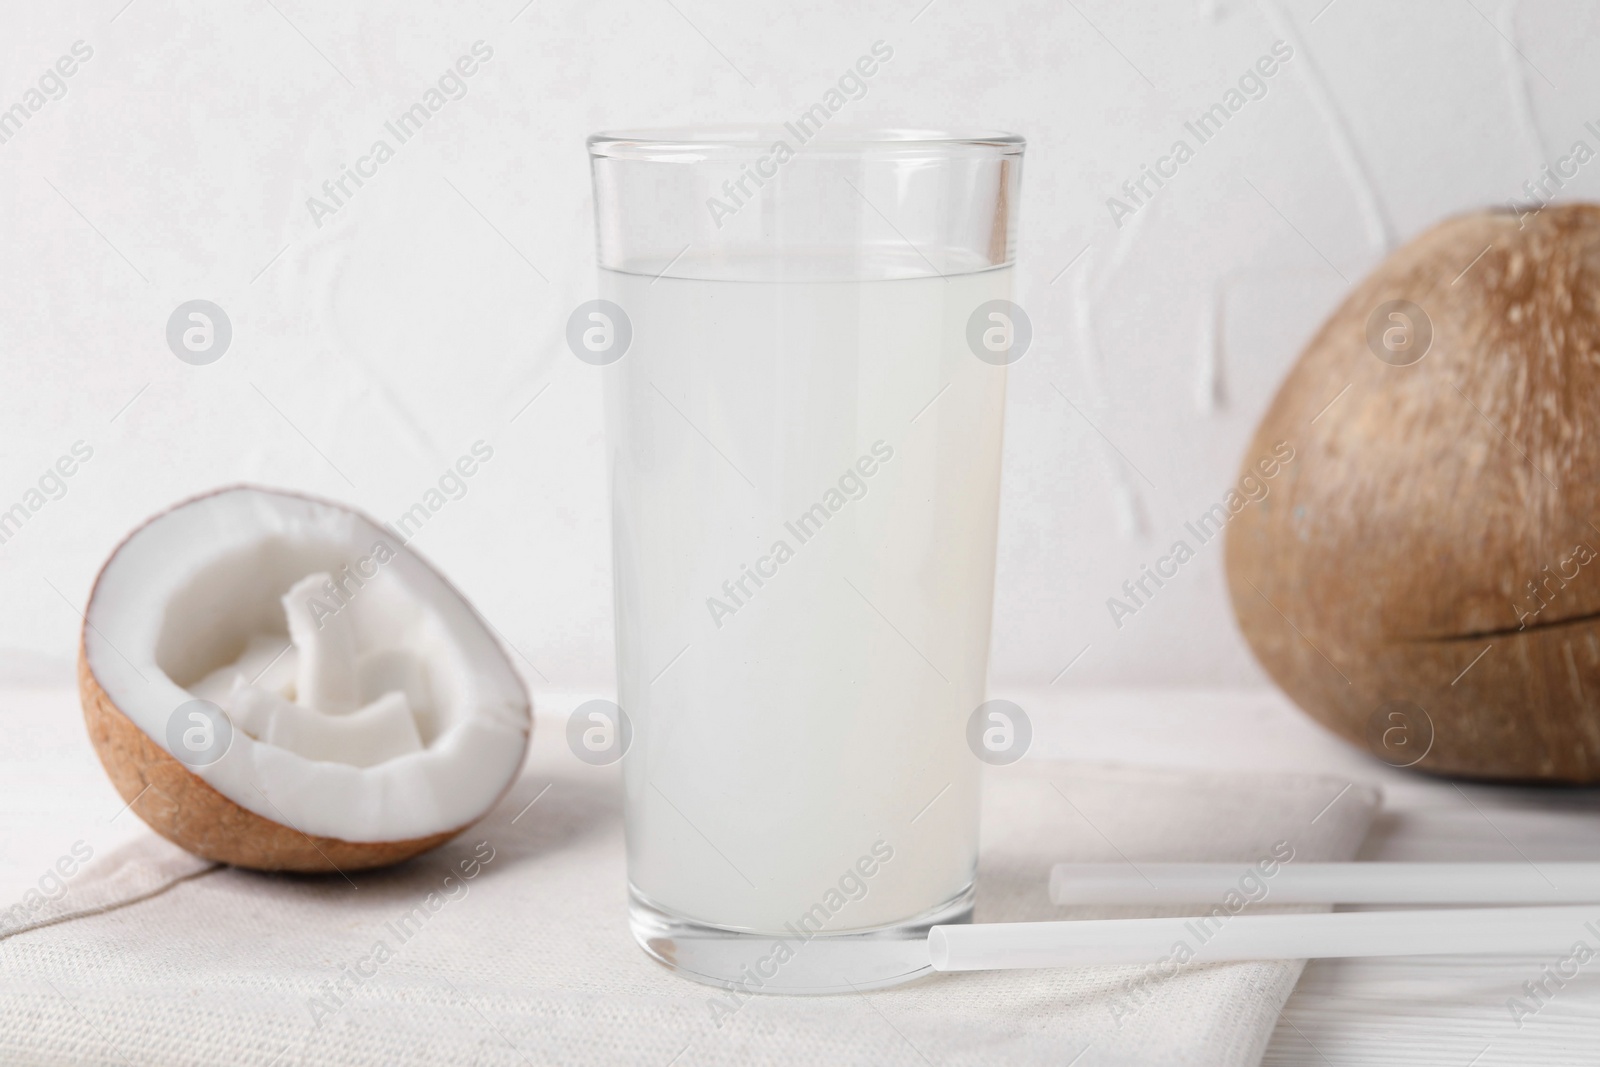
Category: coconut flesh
<point>277,682</point>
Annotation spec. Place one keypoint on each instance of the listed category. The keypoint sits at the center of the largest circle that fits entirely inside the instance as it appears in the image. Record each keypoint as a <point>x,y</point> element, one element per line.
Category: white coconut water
<point>805,477</point>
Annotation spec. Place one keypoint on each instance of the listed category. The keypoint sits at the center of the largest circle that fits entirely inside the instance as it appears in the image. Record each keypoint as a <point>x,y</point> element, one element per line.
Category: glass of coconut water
<point>803,334</point>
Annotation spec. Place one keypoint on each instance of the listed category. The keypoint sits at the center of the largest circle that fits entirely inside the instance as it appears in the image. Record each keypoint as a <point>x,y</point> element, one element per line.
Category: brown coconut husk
<point>177,804</point>
<point>1395,552</point>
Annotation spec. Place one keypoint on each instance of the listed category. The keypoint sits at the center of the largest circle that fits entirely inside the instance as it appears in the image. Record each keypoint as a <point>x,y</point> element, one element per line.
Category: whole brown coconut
<point>1424,578</point>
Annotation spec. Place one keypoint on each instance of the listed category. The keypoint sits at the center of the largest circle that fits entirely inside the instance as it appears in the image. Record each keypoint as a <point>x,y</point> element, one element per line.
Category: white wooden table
<point>1450,1012</point>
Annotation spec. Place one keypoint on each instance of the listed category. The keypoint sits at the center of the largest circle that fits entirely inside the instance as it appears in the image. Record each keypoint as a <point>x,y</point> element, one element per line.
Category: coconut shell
<point>1390,565</point>
<point>177,804</point>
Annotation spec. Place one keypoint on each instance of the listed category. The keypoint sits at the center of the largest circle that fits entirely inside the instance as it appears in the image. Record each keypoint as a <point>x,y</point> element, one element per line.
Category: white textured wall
<point>371,351</point>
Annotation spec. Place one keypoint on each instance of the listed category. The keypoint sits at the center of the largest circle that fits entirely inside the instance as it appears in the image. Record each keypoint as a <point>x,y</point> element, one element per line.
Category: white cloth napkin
<point>153,957</point>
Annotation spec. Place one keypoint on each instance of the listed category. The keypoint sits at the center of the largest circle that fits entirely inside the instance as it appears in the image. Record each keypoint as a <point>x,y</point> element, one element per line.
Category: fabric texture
<point>137,871</point>
<point>157,958</point>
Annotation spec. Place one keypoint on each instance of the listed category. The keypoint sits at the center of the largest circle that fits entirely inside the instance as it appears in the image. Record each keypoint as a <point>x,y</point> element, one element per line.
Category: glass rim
<point>687,144</point>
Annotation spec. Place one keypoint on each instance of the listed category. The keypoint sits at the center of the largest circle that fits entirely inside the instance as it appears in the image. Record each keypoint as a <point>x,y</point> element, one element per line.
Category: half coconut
<point>278,682</point>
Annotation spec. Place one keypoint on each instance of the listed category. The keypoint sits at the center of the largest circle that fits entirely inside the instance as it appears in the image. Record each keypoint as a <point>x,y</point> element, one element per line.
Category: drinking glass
<point>804,334</point>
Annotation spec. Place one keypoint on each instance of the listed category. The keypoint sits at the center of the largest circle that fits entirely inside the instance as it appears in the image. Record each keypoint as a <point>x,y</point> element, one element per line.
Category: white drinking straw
<point>1156,942</point>
<point>1326,883</point>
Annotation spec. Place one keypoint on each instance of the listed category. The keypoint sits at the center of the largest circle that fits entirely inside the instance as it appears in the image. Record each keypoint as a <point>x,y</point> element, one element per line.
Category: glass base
<point>750,962</point>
